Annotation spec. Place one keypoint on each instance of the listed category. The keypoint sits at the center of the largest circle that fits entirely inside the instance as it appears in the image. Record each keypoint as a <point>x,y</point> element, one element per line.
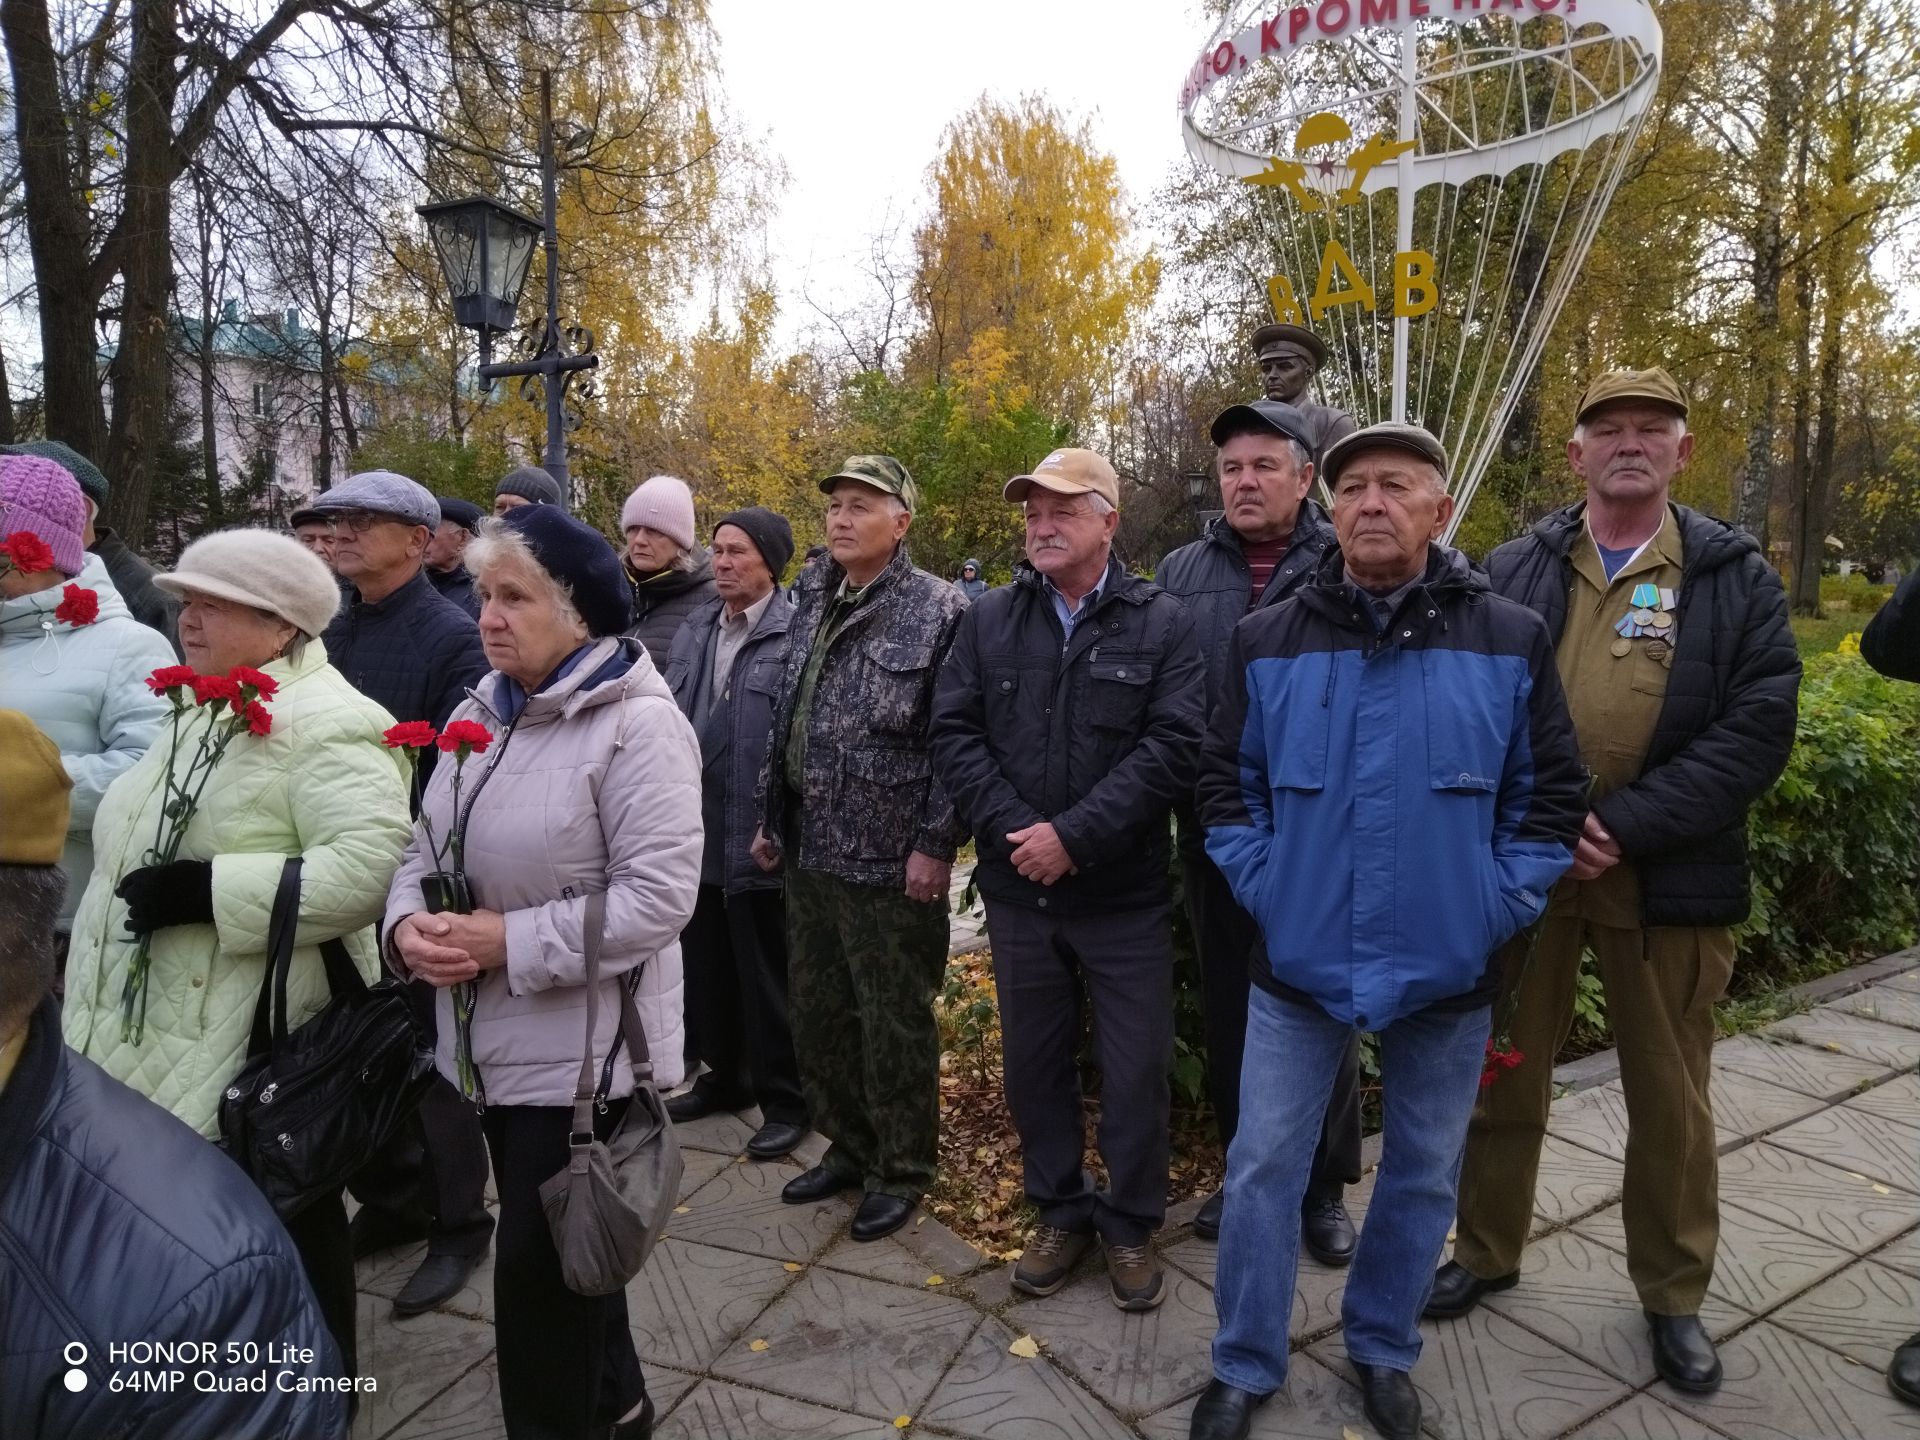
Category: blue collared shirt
<point>1070,618</point>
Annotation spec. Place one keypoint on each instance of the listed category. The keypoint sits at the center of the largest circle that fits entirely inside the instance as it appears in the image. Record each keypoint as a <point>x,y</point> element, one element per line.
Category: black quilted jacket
<point>1726,725</point>
<point>413,653</point>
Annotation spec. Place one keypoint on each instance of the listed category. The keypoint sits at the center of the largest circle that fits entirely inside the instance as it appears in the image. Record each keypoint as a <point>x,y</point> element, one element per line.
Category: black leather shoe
<point>1456,1290</point>
<point>1683,1355</point>
<point>696,1104</point>
<point>1206,1221</point>
<point>1393,1405</point>
<point>1223,1412</point>
<point>775,1139</point>
<point>373,1231</point>
<point>437,1281</point>
<point>880,1215</point>
<point>1903,1375</point>
<point>640,1427</point>
<point>815,1184</point>
<point>1327,1231</point>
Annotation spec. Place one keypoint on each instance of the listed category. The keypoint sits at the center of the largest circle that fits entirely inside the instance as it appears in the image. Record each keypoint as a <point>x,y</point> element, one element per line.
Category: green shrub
<point>1836,843</point>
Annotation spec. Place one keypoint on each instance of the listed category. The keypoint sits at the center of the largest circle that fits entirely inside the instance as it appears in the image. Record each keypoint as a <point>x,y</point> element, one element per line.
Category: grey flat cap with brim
<point>1388,435</point>
<point>383,493</point>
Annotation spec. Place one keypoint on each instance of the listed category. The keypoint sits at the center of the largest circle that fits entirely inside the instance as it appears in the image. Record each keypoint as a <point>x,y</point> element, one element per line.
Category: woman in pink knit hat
<point>671,574</point>
<point>72,657</point>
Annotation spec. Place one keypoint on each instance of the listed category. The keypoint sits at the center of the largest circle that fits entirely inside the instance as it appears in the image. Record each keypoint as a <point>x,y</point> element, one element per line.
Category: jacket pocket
<point>899,682</point>
<point>1298,736</point>
<point>1117,693</point>
<point>883,793</point>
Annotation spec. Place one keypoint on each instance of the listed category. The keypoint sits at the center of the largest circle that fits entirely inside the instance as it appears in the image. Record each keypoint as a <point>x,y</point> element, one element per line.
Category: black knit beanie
<point>772,536</point>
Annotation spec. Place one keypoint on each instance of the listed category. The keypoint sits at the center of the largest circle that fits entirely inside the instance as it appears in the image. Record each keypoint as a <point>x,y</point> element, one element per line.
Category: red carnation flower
<point>28,552</point>
<point>262,685</point>
<point>170,677</point>
<point>415,733</point>
<point>469,737</point>
<point>213,689</point>
<point>78,606</point>
<point>258,720</point>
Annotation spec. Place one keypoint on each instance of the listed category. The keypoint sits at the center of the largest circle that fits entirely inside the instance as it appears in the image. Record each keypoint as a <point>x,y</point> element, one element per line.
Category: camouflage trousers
<point>864,962</point>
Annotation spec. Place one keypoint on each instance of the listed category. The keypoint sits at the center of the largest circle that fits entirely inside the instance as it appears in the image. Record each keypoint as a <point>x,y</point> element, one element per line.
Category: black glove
<point>161,895</point>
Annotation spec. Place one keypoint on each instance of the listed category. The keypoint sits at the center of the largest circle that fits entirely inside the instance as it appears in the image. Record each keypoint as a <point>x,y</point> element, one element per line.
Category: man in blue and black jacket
<point>1391,787</point>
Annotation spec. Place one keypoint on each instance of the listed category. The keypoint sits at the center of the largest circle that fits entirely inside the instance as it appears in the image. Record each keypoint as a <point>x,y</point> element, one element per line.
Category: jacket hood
<point>613,667</point>
<point>1707,541</point>
<point>20,617</point>
<point>974,563</point>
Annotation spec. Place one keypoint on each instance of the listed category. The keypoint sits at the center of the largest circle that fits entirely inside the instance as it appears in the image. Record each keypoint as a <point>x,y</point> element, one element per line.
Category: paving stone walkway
<point>756,1319</point>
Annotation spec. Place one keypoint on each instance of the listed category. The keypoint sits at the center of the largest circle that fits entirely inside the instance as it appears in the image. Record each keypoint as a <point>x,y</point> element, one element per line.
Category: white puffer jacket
<point>83,685</point>
<point>594,786</point>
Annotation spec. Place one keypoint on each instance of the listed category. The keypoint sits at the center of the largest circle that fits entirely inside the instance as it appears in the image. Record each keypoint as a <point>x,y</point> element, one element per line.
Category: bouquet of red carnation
<point>238,694</point>
<point>445,888</point>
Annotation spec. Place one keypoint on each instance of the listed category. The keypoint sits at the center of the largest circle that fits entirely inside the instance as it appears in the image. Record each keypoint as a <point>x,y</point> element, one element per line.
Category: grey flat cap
<point>1388,435</point>
<point>384,493</point>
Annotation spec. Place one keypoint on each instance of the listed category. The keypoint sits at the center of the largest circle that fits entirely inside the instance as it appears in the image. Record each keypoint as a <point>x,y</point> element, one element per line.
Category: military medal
<point>1648,614</point>
<point>1622,648</point>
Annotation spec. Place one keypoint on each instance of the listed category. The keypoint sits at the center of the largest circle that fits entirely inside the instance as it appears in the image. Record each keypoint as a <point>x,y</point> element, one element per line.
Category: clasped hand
<point>446,949</point>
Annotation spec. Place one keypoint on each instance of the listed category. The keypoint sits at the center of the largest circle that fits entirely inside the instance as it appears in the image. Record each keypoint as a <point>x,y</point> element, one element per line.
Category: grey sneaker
<point>1136,1277</point>
<point>1049,1259</point>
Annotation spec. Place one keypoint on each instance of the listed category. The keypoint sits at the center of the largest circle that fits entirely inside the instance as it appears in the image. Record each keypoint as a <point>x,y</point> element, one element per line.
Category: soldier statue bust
<point>1289,357</point>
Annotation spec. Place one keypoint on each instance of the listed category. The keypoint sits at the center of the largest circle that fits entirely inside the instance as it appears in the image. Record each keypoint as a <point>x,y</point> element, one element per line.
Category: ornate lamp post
<point>485,249</point>
<point>1202,493</point>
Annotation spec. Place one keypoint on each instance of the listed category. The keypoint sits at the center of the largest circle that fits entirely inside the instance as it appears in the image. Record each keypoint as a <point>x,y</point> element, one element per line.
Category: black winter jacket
<point>1891,641</point>
<point>1099,738</point>
<point>132,576</point>
<point>457,585</point>
<point>734,738</point>
<point>413,653</point>
<point>662,603</point>
<point>120,1225</point>
<point>1726,725</point>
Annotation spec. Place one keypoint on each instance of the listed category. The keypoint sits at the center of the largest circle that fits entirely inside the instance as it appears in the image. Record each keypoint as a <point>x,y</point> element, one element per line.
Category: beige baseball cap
<point>1069,472</point>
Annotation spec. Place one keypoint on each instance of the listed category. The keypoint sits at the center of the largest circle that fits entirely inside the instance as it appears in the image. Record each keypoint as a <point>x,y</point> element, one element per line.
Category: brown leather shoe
<point>1134,1273</point>
<point>1049,1258</point>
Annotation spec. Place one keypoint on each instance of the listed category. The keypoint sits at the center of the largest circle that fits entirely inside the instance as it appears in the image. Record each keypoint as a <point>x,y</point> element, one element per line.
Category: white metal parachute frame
<point>1523,116</point>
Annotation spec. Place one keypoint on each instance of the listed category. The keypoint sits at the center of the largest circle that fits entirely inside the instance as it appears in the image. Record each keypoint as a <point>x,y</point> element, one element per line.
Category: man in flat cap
<point>446,564</point>
<point>1267,542</point>
<point>1289,357</point>
<point>1069,720</point>
<point>1390,787</point>
<point>851,806</point>
<point>1672,640</point>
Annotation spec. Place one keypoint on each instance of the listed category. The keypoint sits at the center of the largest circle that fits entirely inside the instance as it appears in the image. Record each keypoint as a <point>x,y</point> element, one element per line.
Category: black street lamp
<point>485,249</point>
<point>1203,496</point>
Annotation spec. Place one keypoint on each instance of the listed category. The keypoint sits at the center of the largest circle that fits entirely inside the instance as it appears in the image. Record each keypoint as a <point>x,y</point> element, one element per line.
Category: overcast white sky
<point>853,96</point>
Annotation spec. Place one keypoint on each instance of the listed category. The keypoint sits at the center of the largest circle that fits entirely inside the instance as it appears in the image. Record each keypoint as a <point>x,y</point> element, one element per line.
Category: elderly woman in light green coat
<point>321,784</point>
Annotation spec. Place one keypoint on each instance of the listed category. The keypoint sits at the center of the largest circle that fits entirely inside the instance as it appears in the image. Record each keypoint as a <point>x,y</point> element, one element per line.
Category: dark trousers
<point>567,1363</point>
<point>733,954</point>
<point>432,1173</point>
<point>1228,941</point>
<point>1122,960</point>
<point>319,1233</point>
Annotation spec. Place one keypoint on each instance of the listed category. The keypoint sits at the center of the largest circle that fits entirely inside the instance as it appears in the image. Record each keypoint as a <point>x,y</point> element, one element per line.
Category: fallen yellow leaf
<point>1830,1045</point>
<point>680,1210</point>
<point>1347,1432</point>
<point>1881,1190</point>
<point>1013,1254</point>
<point>756,1346</point>
<point>900,1422</point>
<point>921,1221</point>
<point>1026,1347</point>
<point>936,1280</point>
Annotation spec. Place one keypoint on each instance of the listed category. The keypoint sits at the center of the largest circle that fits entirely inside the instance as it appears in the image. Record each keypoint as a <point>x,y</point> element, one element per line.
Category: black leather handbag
<point>311,1105</point>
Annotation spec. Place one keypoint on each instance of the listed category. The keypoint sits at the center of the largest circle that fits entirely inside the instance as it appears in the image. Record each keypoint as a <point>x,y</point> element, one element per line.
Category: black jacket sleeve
<point>461,664</point>
<point>987,804</point>
<point>1711,783</point>
<point>1891,641</point>
<point>1111,820</point>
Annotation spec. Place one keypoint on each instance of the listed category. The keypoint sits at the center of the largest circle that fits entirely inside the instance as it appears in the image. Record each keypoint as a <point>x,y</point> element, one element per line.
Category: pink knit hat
<point>664,504</point>
<point>43,497</point>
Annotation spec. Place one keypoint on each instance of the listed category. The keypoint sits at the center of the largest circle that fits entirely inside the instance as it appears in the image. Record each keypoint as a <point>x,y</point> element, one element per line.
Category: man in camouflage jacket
<point>866,834</point>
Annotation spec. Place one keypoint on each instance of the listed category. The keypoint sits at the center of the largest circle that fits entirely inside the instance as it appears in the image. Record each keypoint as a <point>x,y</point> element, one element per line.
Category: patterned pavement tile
<point>741,1209</point>
<point>1196,1257</point>
<point>1891,1004</point>
<point>722,1132</point>
<point>1573,1182</point>
<point>1815,1199</point>
<point>473,1299</point>
<point>1812,1070</point>
<point>691,1301</point>
<point>470,1408</point>
<point>702,1166</point>
<point>1317,1287</point>
<point>1906,980</point>
<point>1780,1387</point>
<point>1136,1363</point>
<point>1576,1293</point>
<point>939,1249</point>
<point>1745,1108</point>
<point>1595,1119</point>
<point>848,1341</point>
<point>715,1411</point>
<point>1644,1418</point>
<point>1761,1261</point>
<point>1898,1099</point>
<point>1866,1311</point>
<point>1482,1377</point>
<point>1888,1046</point>
<point>1904,1253</point>
<point>992,1394</point>
<point>1856,1140</point>
<point>1316,1405</point>
<point>412,1360</point>
<point>886,1259</point>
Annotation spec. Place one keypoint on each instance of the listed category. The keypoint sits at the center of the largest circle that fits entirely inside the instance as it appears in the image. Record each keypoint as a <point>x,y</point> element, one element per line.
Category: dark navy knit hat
<point>770,533</point>
<point>579,556</point>
<point>463,513</point>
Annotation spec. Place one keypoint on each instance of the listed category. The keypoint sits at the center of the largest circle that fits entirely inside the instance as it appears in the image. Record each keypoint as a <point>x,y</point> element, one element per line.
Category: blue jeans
<point>1430,1063</point>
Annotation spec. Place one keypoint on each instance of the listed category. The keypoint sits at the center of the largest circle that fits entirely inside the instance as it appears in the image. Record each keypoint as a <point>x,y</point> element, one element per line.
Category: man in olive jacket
<point>851,805</point>
<point>1069,720</point>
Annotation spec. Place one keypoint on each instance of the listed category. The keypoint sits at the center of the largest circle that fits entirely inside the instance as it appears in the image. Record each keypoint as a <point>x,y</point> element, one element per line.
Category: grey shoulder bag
<point>611,1203</point>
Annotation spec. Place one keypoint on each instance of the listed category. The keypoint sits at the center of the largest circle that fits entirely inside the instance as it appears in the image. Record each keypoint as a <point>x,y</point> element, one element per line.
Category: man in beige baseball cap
<point>1067,720</point>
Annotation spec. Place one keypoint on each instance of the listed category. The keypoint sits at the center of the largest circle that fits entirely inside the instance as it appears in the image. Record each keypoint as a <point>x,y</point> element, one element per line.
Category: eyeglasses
<point>358,522</point>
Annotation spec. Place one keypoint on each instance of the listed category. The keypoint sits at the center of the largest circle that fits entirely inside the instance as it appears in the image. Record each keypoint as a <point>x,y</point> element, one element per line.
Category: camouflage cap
<point>882,473</point>
<point>1655,385</point>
